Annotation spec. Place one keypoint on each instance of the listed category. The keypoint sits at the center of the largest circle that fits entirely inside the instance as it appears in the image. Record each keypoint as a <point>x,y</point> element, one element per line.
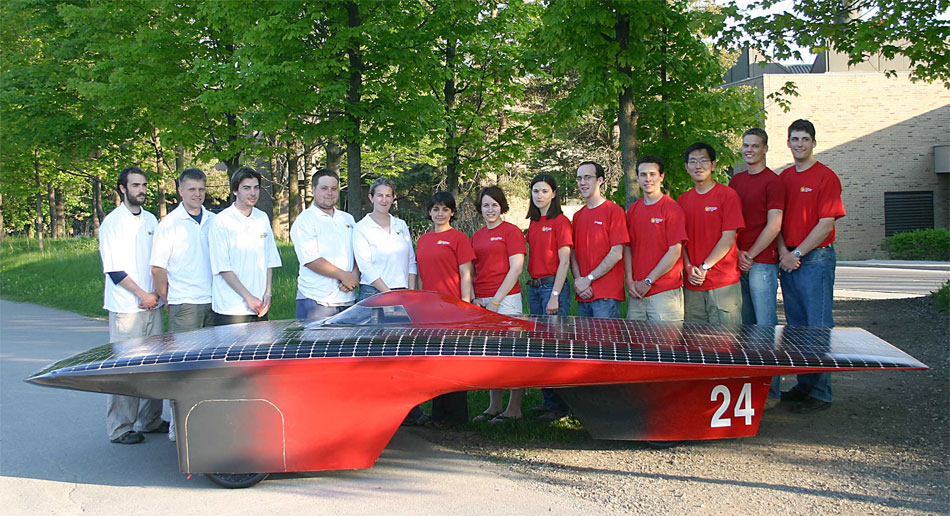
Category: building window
<point>907,211</point>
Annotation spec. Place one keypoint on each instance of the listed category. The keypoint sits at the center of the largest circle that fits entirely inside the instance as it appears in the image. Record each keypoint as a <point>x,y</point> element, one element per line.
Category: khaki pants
<point>124,413</point>
<point>186,317</point>
<point>718,306</point>
<point>665,306</point>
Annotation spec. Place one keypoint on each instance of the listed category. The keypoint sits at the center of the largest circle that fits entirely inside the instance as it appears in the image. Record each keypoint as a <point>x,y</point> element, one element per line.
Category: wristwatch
<point>590,277</point>
<point>797,253</point>
<point>555,293</point>
<point>705,267</point>
<point>648,281</point>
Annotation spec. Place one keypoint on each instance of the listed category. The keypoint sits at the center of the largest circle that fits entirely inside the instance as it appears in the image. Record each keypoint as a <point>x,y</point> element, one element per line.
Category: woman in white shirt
<point>383,246</point>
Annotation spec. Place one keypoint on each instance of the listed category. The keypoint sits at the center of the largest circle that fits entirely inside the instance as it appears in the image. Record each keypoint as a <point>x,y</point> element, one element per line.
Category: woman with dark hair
<point>382,245</point>
<point>550,238</point>
<point>444,257</point>
<point>499,259</point>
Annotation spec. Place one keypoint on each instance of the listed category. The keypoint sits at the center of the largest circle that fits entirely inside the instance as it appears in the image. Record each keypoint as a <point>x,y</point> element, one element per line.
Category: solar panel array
<point>572,338</point>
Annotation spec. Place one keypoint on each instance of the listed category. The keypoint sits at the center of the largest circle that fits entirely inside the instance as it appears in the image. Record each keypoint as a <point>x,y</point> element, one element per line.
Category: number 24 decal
<point>743,406</point>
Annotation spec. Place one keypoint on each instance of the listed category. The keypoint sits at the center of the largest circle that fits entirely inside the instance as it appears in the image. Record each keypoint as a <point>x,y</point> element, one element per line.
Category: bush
<point>922,244</point>
<point>941,297</point>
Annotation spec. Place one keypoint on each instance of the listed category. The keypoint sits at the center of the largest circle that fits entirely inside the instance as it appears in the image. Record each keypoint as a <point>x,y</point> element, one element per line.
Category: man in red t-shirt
<point>653,264</point>
<point>763,199</point>
<point>710,261</point>
<point>600,233</point>
<point>806,255</point>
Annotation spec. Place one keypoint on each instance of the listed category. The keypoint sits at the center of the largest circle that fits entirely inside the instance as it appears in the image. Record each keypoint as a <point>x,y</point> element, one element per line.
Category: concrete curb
<point>898,264</point>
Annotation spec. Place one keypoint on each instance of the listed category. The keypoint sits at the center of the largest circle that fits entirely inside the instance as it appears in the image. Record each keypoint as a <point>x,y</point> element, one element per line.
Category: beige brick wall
<point>877,133</point>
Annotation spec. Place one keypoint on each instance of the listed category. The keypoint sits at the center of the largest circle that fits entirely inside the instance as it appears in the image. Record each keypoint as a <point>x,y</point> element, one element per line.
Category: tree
<point>652,63</point>
<point>918,30</point>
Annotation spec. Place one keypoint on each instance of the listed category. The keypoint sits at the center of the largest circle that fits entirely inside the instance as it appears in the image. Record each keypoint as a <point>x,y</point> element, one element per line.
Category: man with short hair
<point>600,234</point>
<point>323,240</point>
<point>713,215</point>
<point>125,243</point>
<point>243,252</point>
<point>763,199</point>
<point>653,264</point>
<point>806,254</point>
<point>181,262</point>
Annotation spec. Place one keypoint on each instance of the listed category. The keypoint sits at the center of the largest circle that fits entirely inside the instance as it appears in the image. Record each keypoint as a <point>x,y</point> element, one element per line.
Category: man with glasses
<point>710,261</point>
<point>806,254</point>
<point>600,232</point>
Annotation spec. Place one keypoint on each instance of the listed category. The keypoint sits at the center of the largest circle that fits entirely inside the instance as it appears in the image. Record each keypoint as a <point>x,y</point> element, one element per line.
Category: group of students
<point>713,255</point>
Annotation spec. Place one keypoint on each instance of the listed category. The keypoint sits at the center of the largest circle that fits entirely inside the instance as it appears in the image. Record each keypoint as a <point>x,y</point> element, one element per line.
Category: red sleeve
<point>732,208</point>
<point>463,248</point>
<point>829,197</point>
<point>775,194</point>
<point>631,227</point>
<point>618,227</point>
<point>676,225</point>
<point>514,240</point>
<point>563,232</point>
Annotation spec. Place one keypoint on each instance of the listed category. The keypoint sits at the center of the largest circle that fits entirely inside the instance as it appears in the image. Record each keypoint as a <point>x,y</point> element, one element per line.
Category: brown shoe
<point>130,437</point>
<point>811,405</point>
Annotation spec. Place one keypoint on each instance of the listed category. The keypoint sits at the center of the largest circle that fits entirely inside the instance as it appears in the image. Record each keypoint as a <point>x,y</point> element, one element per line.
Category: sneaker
<point>794,395</point>
<point>811,405</point>
<point>771,403</point>
<point>551,415</point>
<point>130,437</point>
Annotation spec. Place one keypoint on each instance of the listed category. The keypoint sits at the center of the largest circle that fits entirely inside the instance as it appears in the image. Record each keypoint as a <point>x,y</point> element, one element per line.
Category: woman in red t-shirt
<point>499,259</point>
<point>444,257</point>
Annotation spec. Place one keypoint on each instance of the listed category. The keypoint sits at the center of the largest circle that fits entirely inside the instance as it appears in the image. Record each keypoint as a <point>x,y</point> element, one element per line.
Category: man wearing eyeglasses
<point>710,261</point>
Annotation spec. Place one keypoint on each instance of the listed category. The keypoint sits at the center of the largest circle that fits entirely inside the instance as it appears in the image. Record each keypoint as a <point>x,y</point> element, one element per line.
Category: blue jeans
<point>366,291</point>
<point>602,308</point>
<point>310,309</point>
<point>759,287</point>
<point>538,298</point>
<point>808,293</point>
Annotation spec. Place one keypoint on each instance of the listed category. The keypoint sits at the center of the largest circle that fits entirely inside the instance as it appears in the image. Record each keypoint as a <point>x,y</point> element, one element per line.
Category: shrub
<point>922,244</point>
<point>941,297</point>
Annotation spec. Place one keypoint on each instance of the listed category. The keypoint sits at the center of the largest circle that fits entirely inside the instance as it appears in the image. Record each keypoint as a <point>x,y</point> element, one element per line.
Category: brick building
<point>885,137</point>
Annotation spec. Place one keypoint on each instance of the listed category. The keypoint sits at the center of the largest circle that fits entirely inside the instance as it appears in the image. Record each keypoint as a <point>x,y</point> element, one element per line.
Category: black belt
<point>537,282</point>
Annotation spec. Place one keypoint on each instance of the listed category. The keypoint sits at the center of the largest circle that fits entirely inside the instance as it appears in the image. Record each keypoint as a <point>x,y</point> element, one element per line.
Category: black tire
<point>236,480</point>
<point>662,445</point>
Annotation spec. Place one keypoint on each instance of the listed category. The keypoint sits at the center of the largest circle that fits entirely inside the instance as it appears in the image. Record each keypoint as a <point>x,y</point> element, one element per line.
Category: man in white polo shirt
<point>243,252</point>
<point>125,242</point>
<point>323,239</point>
<point>181,265</point>
<point>181,261</point>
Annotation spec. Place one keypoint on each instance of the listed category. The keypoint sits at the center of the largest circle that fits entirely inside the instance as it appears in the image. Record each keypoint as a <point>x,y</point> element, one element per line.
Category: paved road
<point>55,457</point>
<point>882,282</point>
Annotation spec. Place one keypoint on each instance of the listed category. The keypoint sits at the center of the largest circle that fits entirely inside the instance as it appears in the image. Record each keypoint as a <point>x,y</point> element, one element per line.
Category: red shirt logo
<point>712,208</point>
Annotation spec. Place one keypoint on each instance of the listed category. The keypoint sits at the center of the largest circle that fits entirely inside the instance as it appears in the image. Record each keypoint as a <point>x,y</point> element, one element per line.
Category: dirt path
<point>882,448</point>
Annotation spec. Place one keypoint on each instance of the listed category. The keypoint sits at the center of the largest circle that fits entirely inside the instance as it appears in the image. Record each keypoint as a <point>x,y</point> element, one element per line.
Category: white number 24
<point>743,405</point>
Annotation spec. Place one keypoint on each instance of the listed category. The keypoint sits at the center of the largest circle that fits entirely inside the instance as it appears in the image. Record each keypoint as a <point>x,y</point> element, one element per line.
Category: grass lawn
<point>67,274</point>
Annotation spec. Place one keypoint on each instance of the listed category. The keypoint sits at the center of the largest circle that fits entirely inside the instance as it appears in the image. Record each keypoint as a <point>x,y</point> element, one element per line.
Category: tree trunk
<point>60,212</point>
<point>160,172</point>
<point>97,214</point>
<point>274,192</point>
<point>3,230</point>
<point>449,92</point>
<point>334,156</point>
<point>53,221</point>
<point>39,200</point>
<point>627,118</point>
<point>354,157</point>
<point>293,184</point>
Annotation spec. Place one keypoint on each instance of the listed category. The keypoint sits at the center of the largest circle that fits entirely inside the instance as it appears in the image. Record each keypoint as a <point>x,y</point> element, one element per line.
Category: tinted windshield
<point>359,315</point>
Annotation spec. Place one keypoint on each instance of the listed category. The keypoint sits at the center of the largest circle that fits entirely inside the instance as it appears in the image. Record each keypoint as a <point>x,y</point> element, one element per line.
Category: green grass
<point>67,275</point>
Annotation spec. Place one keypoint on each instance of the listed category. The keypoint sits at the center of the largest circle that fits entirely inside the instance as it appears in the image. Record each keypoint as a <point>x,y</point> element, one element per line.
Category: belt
<point>537,282</point>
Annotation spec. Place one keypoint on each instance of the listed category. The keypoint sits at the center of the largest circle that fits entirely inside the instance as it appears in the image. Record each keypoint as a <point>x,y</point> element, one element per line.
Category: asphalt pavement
<point>55,456</point>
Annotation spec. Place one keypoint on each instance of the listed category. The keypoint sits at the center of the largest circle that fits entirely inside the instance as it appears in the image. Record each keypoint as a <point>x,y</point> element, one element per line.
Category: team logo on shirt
<point>712,208</point>
<point>443,242</point>
<point>495,238</point>
<point>599,223</point>
<point>545,229</point>
<point>656,220</point>
<point>263,235</point>
<point>805,189</point>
